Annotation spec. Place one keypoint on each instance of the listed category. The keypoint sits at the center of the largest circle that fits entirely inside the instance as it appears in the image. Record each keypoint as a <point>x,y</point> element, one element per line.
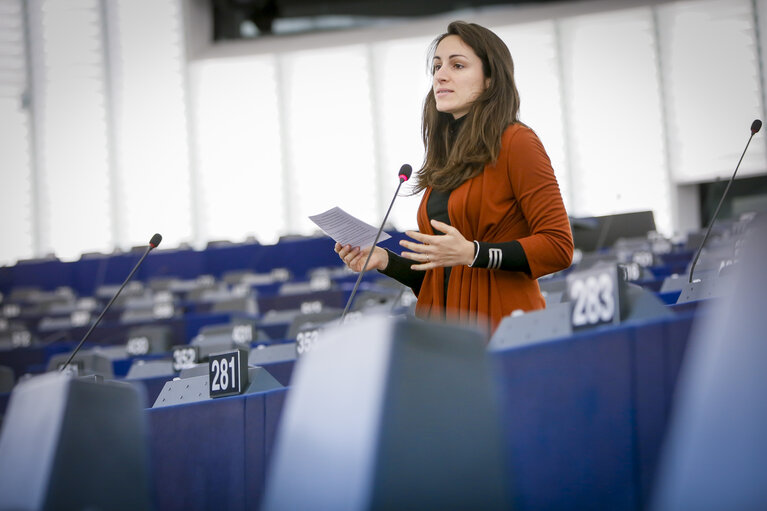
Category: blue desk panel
<point>6,279</point>
<point>569,422</point>
<point>45,274</point>
<point>212,455</point>
<point>182,264</point>
<point>198,455</point>
<point>658,350</point>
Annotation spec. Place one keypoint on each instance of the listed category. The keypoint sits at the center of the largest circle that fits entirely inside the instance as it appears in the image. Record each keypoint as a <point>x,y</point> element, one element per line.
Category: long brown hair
<point>478,141</point>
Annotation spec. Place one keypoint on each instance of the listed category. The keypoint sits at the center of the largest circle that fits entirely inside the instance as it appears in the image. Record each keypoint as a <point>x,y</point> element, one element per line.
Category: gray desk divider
<point>140,369</point>
<point>388,405</point>
<point>674,283</point>
<point>639,304</point>
<point>198,369</point>
<point>70,443</point>
<point>700,290</point>
<point>222,337</point>
<point>272,353</point>
<point>312,319</point>
<point>158,337</point>
<point>553,322</point>
<point>87,363</point>
<point>196,388</point>
<point>553,297</point>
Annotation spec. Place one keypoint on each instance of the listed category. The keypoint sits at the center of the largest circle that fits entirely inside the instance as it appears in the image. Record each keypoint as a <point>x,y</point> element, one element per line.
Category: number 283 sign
<point>595,296</point>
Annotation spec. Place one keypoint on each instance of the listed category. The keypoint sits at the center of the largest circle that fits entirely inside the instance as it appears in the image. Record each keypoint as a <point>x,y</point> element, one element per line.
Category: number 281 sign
<point>595,296</point>
<point>228,373</point>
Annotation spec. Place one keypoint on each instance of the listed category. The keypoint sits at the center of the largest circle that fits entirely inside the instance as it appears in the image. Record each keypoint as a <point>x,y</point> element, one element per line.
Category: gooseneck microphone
<point>404,174</point>
<point>153,243</point>
<point>755,127</point>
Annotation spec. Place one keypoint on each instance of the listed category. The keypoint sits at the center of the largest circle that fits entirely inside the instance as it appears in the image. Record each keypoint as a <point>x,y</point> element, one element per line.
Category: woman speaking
<point>491,220</point>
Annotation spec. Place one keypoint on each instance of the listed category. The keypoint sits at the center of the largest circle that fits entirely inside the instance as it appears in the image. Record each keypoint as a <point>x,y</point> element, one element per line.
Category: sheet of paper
<point>346,229</point>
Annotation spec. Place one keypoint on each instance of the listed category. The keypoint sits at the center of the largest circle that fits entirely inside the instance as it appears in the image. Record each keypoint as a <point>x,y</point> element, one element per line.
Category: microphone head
<point>756,126</point>
<point>405,171</point>
<point>156,239</point>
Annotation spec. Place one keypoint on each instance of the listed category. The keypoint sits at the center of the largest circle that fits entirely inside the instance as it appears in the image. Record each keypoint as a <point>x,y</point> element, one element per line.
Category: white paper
<point>346,229</point>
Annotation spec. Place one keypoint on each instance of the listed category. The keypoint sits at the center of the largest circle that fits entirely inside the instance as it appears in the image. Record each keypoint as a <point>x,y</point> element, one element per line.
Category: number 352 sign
<point>595,296</point>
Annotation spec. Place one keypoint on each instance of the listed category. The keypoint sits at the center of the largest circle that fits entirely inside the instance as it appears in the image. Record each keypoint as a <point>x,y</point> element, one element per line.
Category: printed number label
<point>163,310</point>
<point>594,299</point>
<point>643,258</point>
<point>11,310</point>
<point>225,373</point>
<point>184,358</point>
<point>80,318</point>
<point>320,283</point>
<point>220,370</point>
<point>241,290</point>
<point>138,346</point>
<point>305,340</point>
<point>631,271</point>
<point>21,339</point>
<point>309,307</point>
<point>242,334</point>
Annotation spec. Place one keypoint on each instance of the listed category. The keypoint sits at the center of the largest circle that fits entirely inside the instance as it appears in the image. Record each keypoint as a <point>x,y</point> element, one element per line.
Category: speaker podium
<point>389,413</point>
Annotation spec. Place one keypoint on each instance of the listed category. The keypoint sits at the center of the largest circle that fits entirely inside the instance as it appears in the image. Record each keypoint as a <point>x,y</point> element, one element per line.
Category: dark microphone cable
<point>153,243</point>
<point>755,127</point>
<point>404,174</point>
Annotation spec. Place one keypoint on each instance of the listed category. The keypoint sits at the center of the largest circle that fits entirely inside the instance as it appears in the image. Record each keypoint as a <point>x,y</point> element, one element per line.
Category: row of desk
<point>584,416</point>
<point>584,419</point>
<point>87,274</point>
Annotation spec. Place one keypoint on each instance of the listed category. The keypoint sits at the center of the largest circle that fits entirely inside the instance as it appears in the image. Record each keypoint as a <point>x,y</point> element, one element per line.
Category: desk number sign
<point>228,373</point>
<point>305,340</point>
<point>595,296</point>
<point>138,345</point>
<point>185,357</point>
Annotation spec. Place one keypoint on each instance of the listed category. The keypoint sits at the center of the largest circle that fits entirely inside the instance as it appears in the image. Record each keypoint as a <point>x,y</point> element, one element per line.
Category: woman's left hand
<point>433,251</point>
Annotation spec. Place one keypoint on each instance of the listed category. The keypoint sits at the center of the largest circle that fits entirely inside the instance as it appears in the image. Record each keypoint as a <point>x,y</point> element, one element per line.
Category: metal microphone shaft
<point>404,175</point>
<point>755,127</point>
<point>152,244</point>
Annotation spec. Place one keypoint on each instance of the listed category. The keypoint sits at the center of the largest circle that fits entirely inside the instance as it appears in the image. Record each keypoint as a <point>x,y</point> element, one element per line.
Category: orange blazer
<point>515,198</point>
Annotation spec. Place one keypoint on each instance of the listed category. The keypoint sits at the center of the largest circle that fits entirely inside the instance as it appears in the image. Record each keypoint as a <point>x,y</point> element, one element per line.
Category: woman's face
<point>458,78</point>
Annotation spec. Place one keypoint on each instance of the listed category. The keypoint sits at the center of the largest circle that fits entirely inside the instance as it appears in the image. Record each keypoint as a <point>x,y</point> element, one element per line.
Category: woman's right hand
<point>354,258</point>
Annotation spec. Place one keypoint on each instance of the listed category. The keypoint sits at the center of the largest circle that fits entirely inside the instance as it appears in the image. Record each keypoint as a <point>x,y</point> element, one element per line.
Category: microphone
<point>755,127</point>
<point>404,174</point>
<point>153,243</point>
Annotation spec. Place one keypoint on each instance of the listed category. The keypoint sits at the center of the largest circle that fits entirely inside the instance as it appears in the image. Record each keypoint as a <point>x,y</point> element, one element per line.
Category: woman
<point>491,220</point>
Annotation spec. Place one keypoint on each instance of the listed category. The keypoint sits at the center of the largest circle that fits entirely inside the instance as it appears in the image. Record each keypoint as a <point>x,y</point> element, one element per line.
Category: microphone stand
<point>755,127</point>
<point>404,176</point>
<point>152,244</point>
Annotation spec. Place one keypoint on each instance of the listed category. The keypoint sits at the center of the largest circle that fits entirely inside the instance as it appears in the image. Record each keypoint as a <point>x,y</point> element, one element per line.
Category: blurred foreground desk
<point>584,419</point>
<point>585,416</point>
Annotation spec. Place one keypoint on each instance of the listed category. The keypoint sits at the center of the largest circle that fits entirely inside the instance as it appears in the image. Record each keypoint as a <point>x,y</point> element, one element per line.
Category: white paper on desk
<point>346,229</point>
